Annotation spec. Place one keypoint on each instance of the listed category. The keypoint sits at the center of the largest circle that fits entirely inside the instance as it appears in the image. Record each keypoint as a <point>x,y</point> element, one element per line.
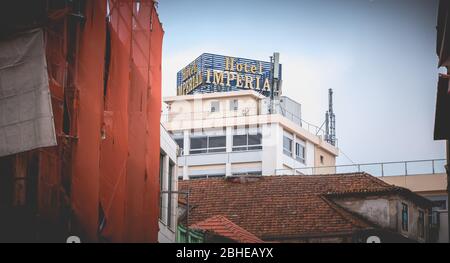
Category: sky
<point>378,56</point>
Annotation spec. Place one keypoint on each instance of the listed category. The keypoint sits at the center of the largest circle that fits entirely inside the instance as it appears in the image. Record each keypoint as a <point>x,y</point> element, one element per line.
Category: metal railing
<point>415,167</point>
<point>242,112</point>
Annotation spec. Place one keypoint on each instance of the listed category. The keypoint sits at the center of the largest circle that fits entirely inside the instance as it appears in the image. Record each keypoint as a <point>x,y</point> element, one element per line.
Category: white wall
<point>167,234</point>
<point>271,156</point>
<point>193,113</point>
<point>271,148</point>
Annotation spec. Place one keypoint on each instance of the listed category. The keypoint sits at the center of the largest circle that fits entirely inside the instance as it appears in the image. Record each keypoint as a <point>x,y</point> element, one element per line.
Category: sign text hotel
<point>232,72</point>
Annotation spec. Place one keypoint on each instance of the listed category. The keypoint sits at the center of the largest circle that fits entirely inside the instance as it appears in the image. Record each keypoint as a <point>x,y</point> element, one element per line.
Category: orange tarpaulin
<point>86,152</point>
<point>130,149</point>
<point>115,157</point>
<point>114,148</point>
<point>101,181</point>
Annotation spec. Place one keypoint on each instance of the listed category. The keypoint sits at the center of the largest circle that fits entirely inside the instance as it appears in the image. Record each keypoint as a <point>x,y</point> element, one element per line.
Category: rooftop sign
<point>214,73</point>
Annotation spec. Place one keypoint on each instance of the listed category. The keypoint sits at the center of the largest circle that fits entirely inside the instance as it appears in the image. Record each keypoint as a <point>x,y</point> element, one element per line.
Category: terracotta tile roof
<point>273,207</point>
<point>406,193</point>
<point>222,226</point>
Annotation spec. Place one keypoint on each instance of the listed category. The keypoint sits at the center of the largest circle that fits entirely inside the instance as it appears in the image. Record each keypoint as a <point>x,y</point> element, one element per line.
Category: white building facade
<point>235,133</point>
<point>168,188</point>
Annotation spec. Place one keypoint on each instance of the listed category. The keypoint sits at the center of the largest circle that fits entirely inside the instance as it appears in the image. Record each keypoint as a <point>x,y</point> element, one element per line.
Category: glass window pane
<point>233,105</point>
<point>254,139</point>
<point>239,140</point>
<point>287,144</point>
<point>217,150</point>
<point>240,148</point>
<point>218,141</point>
<point>198,142</point>
<point>180,142</point>
<point>255,148</point>
<point>215,106</point>
<point>299,150</point>
<point>197,151</point>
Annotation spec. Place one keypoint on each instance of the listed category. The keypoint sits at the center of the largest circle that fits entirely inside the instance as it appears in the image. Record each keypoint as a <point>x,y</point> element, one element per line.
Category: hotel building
<point>224,130</point>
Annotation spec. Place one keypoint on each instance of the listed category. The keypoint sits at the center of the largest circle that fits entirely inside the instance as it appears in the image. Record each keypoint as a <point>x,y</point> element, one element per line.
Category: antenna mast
<point>275,89</point>
<point>330,120</point>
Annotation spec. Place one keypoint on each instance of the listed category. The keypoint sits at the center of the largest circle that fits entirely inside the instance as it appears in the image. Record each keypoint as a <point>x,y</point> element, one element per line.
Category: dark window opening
<point>405,215</point>
<point>421,224</point>
<point>78,9</point>
<point>107,63</point>
<point>247,142</point>
<point>169,188</point>
<point>300,152</point>
<point>217,144</point>
<point>208,144</point>
<point>161,177</point>
<point>205,176</point>
<point>215,106</point>
<point>180,142</point>
<point>198,144</point>
<point>66,117</point>
<point>234,105</point>
<point>252,173</point>
<point>440,204</point>
<point>287,146</point>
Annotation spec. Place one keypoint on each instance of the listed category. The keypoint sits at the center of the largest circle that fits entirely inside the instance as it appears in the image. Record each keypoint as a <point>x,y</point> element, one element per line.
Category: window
<point>321,159</point>
<point>161,183</point>
<point>254,141</point>
<point>204,176</point>
<point>300,152</point>
<point>247,142</point>
<point>239,142</point>
<point>287,145</point>
<point>215,106</point>
<point>421,224</point>
<point>248,173</point>
<point>180,142</point>
<point>234,105</point>
<point>404,217</point>
<point>217,144</point>
<point>440,204</point>
<point>199,144</point>
<point>169,188</point>
<point>208,144</point>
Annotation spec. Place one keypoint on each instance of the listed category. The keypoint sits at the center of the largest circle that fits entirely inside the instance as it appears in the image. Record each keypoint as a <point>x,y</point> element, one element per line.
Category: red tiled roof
<point>391,190</point>
<point>222,226</point>
<point>273,207</point>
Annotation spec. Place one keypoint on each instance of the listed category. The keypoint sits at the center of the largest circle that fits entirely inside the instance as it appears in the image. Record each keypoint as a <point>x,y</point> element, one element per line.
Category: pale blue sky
<point>377,55</point>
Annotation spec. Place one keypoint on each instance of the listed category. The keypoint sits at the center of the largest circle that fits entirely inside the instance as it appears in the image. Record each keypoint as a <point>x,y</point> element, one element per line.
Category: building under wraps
<point>80,100</point>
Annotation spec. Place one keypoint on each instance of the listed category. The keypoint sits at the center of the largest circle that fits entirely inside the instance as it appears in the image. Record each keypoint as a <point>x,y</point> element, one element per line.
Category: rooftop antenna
<point>276,85</point>
<point>330,121</point>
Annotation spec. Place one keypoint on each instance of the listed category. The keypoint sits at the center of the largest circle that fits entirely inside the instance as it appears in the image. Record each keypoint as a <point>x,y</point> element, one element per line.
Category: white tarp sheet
<point>26,118</point>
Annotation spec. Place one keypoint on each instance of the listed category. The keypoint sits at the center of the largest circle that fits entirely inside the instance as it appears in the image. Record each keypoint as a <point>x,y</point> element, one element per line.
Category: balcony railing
<point>415,167</point>
<point>242,112</point>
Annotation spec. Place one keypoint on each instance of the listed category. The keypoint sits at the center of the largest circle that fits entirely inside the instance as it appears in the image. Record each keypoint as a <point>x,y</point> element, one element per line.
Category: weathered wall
<point>378,210</point>
<point>387,212</point>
